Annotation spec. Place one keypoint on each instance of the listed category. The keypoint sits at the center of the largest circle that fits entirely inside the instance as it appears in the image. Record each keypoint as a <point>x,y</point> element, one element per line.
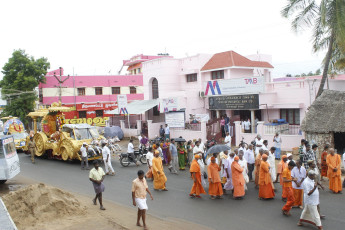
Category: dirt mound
<point>38,204</point>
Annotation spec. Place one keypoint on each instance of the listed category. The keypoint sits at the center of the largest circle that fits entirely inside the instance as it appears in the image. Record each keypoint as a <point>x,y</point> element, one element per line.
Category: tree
<point>328,19</point>
<point>22,74</point>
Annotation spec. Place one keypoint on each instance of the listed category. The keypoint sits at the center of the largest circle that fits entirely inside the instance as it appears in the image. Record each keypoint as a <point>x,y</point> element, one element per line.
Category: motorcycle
<point>210,143</point>
<point>140,155</point>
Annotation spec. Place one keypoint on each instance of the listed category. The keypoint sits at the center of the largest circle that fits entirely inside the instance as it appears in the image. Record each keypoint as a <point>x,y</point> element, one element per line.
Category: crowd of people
<point>230,171</point>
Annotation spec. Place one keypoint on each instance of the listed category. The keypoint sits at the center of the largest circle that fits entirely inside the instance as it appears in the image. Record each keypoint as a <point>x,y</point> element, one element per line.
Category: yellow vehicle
<point>62,141</point>
<point>15,127</point>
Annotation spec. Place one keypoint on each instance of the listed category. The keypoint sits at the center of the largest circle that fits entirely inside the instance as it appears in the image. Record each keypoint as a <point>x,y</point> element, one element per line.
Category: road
<point>249,213</point>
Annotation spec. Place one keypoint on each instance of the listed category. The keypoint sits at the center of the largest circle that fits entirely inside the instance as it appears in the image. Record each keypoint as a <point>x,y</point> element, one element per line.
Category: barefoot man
<point>139,190</point>
<point>97,176</point>
<point>159,178</point>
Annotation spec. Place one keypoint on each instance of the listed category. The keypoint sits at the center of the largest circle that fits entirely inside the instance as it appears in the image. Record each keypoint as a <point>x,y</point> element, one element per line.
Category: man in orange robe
<point>215,187</point>
<point>197,188</point>
<point>287,180</point>
<point>324,167</point>
<point>265,182</point>
<point>257,167</point>
<point>334,173</point>
<point>159,178</point>
<point>237,179</point>
<point>281,166</point>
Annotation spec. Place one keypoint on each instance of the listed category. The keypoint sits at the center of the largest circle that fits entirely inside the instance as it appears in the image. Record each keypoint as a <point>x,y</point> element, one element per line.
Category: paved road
<point>249,213</point>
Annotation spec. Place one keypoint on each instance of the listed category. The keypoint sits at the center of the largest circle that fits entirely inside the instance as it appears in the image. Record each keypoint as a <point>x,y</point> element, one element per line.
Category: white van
<point>9,161</point>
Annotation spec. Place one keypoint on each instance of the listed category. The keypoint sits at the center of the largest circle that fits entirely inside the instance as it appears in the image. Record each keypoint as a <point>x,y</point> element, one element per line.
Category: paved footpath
<point>249,213</point>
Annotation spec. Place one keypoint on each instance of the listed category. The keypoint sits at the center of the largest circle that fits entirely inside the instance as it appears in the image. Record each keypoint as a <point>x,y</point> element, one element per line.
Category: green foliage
<point>22,74</point>
<point>327,17</point>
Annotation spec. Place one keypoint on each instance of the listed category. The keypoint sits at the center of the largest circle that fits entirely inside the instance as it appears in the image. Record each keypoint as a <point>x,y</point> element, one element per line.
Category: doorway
<point>339,142</point>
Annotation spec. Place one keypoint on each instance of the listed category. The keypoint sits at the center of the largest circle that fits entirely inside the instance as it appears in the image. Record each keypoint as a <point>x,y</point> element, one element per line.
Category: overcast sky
<point>93,37</point>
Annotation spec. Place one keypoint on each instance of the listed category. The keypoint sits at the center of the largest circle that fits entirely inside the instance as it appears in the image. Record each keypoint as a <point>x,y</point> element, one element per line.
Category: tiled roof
<point>231,58</point>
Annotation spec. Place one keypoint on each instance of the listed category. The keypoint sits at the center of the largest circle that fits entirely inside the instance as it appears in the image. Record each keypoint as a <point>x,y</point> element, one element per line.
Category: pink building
<point>94,96</point>
<point>229,83</point>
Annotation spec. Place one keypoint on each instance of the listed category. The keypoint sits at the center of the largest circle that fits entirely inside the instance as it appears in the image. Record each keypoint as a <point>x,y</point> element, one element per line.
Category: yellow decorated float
<point>59,140</point>
<point>15,127</point>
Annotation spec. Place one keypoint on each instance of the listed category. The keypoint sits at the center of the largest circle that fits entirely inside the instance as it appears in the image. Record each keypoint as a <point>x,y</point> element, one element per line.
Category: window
<point>217,74</point>
<point>82,114</point>
<point>139,70</point>
<point>81,91</point>
<point>192,77</point>
<point>290,115</point>
<point>98,90</point>
<point>132,90</point>
<point>115,90</point>
<point>99,113</point>
<point>155,92</point>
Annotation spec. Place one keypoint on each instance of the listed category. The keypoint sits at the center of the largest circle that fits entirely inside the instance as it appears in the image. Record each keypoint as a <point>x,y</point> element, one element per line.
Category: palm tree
<point>328,19</point>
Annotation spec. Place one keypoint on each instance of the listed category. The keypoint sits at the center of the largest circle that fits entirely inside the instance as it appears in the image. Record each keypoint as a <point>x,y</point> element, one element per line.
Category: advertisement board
<point>168,105</point>
<point>175,119</point>
<point>235,102</point>
<point>246,85</point>
<point>122,104</point>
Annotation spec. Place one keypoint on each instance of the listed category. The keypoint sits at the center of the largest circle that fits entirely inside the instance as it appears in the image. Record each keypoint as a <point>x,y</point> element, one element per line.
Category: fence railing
<point>192,127</point>
<point>284,129</point>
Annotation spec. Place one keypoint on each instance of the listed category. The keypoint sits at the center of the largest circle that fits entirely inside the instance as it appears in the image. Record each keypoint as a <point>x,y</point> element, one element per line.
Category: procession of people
<point>226,169</point>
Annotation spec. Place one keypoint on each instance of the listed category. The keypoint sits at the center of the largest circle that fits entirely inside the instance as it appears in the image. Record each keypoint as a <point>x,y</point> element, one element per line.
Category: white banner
<point>122,104</point>
<point>246,85</point>
<point>168,105</point>
<point>175,119</point>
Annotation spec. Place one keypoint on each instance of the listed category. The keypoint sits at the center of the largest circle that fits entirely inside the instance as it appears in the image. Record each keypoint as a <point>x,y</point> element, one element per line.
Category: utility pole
<point>60,83</point>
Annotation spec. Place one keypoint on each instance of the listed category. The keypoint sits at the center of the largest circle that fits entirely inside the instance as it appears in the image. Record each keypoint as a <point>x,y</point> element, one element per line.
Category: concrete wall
<point>288,141</point>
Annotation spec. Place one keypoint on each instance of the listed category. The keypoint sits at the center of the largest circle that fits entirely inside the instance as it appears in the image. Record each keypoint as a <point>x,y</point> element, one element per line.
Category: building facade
<point>92,97</point>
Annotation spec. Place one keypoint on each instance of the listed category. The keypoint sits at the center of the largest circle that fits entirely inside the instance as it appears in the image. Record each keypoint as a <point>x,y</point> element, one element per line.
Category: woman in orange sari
<point>324,167</point>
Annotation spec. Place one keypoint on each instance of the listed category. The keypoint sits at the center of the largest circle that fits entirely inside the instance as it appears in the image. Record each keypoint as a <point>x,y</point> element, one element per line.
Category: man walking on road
<point>32,149</point>
<point>159,178</point>
<point>287,180</point>
<point>97,176</point>
<point>310,213</point>
<point>139,191</point>
<point>107,160</point>
<point>84,160</point>
<point>174,157</point>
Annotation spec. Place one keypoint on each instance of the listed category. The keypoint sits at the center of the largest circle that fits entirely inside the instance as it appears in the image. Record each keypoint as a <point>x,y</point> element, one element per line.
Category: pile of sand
<point>39,204</point>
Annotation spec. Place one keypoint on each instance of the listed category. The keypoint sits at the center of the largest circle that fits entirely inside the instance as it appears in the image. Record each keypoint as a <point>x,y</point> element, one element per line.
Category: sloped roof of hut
<point>326,114</point>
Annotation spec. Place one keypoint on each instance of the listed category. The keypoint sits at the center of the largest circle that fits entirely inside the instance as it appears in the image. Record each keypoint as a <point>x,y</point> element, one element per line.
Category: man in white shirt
<point>84,160</point>
<point>167,131</point>
<point>202,145</point>
<point>243,148</point>
<point>107,159</point>
<point>272,162</point>
<point>130,151</point>
<point>250,158</point>
<point>310,213</point>
<point>149,158</point>
<point>259,144</point>
<point>300,174</point>
<point>247,125</point>
<point>227,166</point>
<point>265,145</point>
<point>227,140</point>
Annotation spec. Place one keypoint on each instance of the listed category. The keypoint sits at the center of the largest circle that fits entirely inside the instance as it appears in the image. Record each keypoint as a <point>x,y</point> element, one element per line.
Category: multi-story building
<point>92,97</point>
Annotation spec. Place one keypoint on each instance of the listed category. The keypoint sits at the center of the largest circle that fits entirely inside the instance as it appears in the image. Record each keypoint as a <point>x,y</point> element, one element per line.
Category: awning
<point>138,107</point>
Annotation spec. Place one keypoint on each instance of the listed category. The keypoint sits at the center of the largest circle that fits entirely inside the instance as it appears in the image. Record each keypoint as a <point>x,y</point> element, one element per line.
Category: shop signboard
<point>246,85</point>
<point>234,102</point>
